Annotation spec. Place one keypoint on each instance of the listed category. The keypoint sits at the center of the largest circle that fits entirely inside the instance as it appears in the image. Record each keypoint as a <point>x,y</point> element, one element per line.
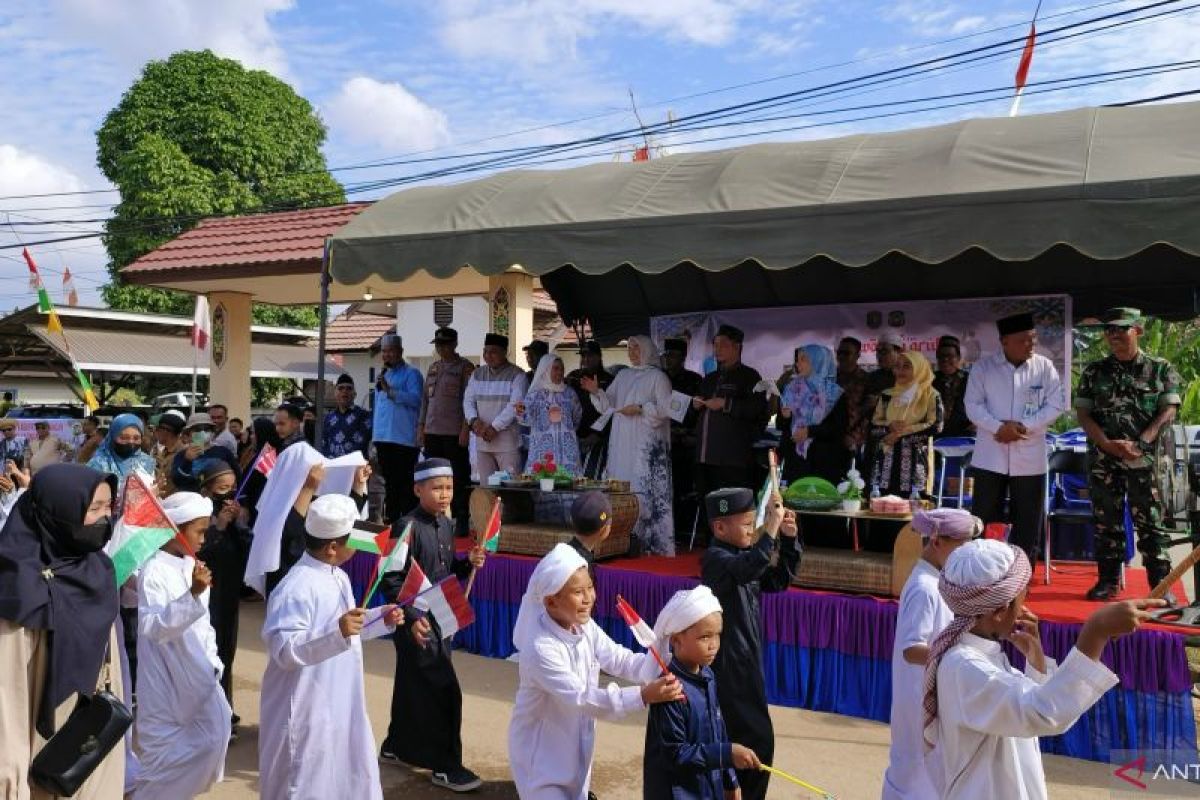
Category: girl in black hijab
<point>58,593</point>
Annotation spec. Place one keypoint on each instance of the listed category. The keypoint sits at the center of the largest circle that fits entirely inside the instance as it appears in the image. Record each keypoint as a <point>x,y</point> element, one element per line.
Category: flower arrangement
<point>546,468</point>
<point>851,488</point>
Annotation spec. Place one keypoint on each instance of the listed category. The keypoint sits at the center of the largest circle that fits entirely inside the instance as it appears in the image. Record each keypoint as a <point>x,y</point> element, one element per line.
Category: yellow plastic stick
<point>797,781</point>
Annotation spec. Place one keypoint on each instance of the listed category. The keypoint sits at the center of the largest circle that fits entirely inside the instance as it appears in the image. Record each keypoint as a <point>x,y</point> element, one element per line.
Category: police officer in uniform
<point>442,430</point>
<point>1123,402</point>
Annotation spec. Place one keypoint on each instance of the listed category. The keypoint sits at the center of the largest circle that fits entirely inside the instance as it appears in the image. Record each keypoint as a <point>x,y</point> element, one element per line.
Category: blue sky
<point>397,77</point>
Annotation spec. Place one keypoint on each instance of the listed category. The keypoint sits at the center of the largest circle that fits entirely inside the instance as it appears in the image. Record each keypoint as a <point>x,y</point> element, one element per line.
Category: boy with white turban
<point>314,738</point>
<point>688,753</point>
<point>553,729</point>
<point>982,716</point>
<point>922,616</point>
<point>182,728</point>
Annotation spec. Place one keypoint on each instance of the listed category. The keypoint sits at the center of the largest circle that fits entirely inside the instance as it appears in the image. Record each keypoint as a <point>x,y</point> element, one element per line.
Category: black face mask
<point>219,500</point>
<point>91,538</point>
<point>125,450</point>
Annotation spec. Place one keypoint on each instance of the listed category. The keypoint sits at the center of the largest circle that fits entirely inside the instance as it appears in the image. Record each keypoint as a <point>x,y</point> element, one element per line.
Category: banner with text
<point>772,334</point>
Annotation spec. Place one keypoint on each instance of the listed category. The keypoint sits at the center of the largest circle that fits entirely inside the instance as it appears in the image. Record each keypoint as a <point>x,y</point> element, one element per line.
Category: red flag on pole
<point>69,287</point>
<point>201,324</point>
<point>641,154</point>
<point>1023,68</point>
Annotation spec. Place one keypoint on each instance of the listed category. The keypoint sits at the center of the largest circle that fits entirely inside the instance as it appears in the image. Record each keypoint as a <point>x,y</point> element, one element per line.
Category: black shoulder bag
<point>95,727</point>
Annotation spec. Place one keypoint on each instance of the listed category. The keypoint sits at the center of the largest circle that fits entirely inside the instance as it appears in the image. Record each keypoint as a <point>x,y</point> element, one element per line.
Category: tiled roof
<point>294,238</point>
<point>356,331</point>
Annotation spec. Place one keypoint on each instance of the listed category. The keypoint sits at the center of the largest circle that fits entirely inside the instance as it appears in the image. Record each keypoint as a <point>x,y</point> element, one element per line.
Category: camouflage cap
<point>1123,316</point>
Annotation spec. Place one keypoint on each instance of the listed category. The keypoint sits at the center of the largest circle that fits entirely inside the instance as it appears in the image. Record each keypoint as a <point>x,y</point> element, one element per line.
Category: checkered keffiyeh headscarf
<point>979,578</point>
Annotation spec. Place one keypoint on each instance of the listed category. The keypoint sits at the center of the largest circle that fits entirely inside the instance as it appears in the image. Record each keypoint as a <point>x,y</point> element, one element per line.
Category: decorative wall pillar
<point>229,352</point>
<point>510,296</point>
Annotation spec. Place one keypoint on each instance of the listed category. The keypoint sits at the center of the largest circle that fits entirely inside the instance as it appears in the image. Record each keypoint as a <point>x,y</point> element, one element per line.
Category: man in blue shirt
<point>397,403</point>
<point>347,427</point>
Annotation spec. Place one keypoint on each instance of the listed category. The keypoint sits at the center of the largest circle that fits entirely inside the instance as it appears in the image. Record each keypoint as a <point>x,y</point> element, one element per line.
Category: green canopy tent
<point>1099,203</point>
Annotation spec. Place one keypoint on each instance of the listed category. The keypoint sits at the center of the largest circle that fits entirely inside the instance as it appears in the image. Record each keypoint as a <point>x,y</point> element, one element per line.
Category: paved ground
<point>844,755</point>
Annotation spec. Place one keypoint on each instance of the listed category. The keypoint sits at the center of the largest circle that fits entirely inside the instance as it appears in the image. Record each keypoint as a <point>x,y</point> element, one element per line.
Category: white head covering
<point>550,575</point>
<point>541,378</point>
<point>650,357</point>
<point>982,562</point>
<point>183,507</point>
<point>330,516</point>
<point>681,612</point>
<point>277,499</point>
<point>955,523</point>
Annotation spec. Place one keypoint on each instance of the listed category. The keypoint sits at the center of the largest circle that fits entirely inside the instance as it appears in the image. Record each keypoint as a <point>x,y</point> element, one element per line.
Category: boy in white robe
<point>182,722</point>
<point>982,716</point>
<point>553,729</point>
<point>922,616</point>
<point>314,736</point>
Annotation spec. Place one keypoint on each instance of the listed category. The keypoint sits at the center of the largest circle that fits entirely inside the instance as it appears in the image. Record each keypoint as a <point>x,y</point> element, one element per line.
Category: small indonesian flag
<point>490,540</point>
<point>266,460</point>
<point>201,324</point>
<point>416,583</point>
<point>641,631</point>
<point>366,542</point>
<point>141,530</point>
<point>448,606</point>
<point>69,289</point>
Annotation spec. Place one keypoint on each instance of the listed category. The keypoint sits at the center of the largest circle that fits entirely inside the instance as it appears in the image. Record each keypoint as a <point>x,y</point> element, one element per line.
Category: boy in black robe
<point>425,729</point>
<point>738,566</point>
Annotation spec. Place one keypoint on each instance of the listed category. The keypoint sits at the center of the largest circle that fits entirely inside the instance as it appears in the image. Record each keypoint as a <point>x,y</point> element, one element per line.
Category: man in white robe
<point>982,716</point>
<point>552,733</point>
<point>922,615</point>
<point>314,736</point>
<point>182,723</point>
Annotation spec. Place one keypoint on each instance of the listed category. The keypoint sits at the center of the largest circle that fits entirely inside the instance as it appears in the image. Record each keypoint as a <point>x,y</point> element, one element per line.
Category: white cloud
<point>387,115</point>
<point>22,173</point>
<point>135,31</point>
<point>539,32</point>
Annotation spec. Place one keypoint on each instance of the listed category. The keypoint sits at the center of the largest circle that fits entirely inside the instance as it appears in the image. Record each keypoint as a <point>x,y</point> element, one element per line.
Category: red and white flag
<point>201,324</point>
<point>69,288</point>
<point>415,584</point>
<point>266,460</point>
<point>641,631</point>
<point>448,605</point>
<point>1023,68</point>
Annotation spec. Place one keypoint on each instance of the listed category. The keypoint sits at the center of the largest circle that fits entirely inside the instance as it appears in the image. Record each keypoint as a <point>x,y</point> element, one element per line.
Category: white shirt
<point>552,733</point>
<point>182,725</point>
<point>1031,394</point>
<point>923,615</point>
<point>314,739</point>
<point>990,715</point>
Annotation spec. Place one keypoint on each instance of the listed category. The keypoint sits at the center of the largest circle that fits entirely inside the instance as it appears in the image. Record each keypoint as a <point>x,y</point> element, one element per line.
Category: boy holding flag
<point>314,736</point>
<point>742,563</point>
<point>182,729</point>
<point>425,729</point>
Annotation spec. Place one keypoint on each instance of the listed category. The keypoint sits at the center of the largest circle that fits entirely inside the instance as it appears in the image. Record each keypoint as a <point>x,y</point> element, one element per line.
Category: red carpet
<point>1061,601</point>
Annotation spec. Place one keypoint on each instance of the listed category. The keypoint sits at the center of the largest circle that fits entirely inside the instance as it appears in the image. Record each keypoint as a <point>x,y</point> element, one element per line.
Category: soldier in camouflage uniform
<point>1123,401</point>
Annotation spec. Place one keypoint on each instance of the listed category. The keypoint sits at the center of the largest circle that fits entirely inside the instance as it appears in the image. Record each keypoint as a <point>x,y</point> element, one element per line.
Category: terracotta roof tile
<point>279,237</point>
<point>356,331</point>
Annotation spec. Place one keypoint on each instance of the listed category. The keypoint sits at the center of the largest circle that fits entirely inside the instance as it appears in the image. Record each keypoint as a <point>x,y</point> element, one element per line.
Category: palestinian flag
<point>391,561</point>
<point>490,539</point>
<point>141,530</point>
<point>367,541</point>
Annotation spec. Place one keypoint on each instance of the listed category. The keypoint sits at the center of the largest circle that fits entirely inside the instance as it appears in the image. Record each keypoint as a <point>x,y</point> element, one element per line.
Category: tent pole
<point>322,322</point>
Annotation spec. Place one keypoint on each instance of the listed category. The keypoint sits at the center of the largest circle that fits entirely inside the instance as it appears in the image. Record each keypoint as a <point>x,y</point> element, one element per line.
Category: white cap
<point>331,516</point>
<point>183,507</point>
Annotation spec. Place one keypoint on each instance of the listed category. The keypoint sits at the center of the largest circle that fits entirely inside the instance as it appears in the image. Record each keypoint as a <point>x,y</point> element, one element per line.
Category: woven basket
<point>846,571</point>
<point>537,539</point>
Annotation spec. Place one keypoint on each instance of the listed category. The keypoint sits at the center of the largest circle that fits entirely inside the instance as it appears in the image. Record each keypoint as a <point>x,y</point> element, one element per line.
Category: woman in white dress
<point>639,446</point>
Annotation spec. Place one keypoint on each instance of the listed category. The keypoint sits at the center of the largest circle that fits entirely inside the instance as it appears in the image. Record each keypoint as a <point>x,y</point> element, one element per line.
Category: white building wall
<point>414,323</point>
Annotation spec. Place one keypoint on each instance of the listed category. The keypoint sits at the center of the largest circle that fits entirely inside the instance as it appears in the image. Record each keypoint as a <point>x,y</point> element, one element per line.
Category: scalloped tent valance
<point>1103,201</point>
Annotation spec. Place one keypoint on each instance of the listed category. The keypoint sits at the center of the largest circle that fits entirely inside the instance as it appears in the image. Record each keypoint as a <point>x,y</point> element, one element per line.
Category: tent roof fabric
<point>1107,182</point>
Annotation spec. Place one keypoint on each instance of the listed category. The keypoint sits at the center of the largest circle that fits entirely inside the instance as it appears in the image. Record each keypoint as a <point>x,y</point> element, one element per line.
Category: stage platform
<point>828,651</point>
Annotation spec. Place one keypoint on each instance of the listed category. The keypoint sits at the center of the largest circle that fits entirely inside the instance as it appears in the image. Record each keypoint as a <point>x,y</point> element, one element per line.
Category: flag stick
<point>797,781</point>
<point>474,569</point>
<point>249,472</point>
<point>661,664</point>
<point>380,571</point>
<point>470,582</point>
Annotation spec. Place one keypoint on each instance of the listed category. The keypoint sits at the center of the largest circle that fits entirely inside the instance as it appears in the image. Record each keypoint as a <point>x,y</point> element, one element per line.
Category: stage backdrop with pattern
<point>773,333</point>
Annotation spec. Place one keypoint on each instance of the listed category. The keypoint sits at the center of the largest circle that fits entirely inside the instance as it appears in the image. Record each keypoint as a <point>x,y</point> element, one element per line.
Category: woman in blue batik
<point>807,399</point>
<point>552,412</point>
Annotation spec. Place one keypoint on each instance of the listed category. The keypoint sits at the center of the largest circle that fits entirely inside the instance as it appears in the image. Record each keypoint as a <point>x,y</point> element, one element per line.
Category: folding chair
<point>1060,507</point>
<point>952,449</point>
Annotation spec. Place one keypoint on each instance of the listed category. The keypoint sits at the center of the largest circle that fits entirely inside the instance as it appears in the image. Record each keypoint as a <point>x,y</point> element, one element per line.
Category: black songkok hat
<point>727,502</point>
<point>344,380</point>
<point>1015,323</point>
<point>675,346</point>
<point>495,340</point>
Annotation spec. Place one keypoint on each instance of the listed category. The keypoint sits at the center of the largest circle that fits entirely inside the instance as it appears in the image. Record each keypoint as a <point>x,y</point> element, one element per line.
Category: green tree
<point>196,136</point>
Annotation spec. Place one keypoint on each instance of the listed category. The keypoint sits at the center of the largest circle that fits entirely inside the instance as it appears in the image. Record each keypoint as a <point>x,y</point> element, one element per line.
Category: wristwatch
<point>1144,446</point>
